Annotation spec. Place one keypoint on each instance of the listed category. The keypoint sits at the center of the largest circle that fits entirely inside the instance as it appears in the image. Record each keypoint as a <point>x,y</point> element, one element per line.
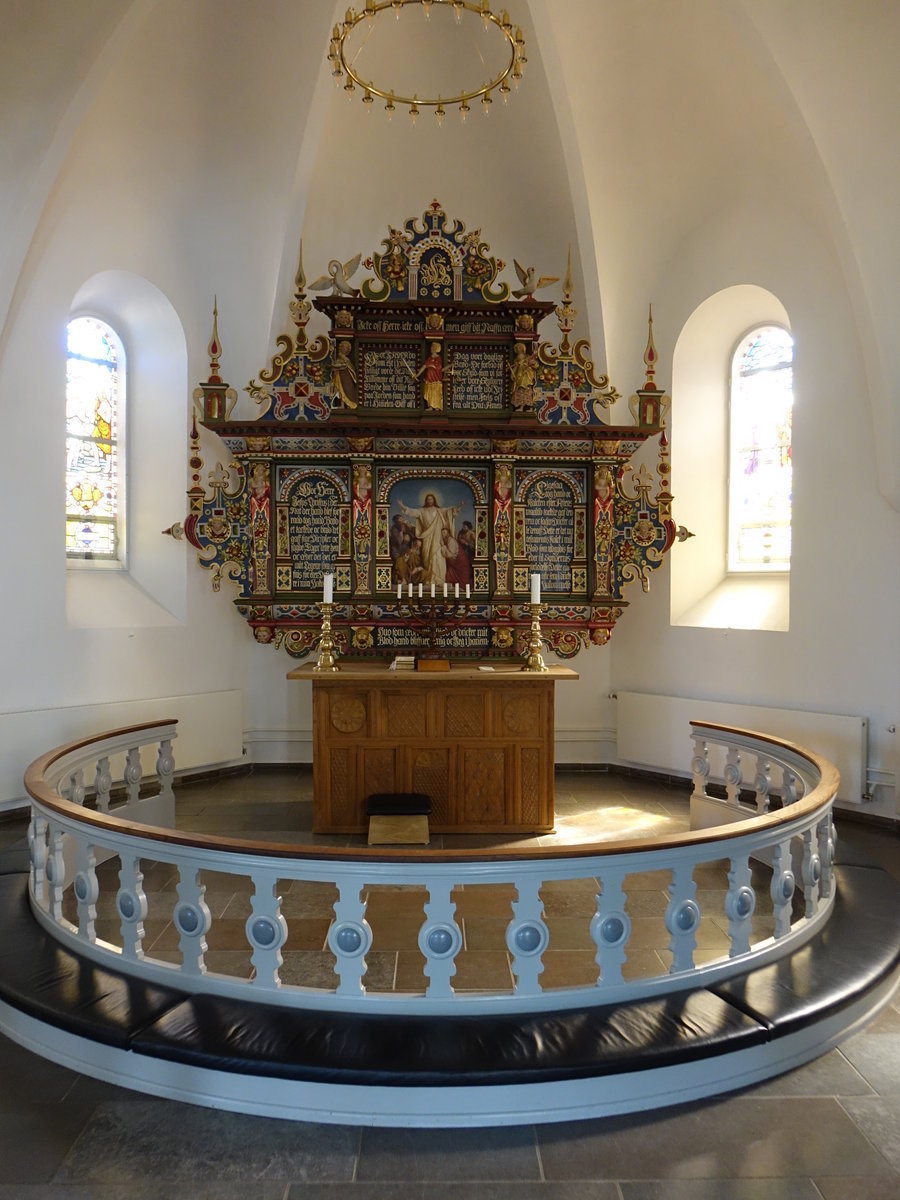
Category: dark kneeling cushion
<point>398,804</point>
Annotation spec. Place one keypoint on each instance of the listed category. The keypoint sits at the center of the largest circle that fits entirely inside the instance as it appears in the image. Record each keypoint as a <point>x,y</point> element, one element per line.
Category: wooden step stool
<point>397,818</point>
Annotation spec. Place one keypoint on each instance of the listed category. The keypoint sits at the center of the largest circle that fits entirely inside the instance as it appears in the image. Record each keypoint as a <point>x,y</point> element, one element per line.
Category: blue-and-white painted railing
<point>69,840</point>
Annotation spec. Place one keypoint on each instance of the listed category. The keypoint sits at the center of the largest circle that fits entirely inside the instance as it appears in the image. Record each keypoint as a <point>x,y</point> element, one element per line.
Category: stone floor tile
<point>843,1188</point>
<point>480,970</point>
<point>179,1142</point>
<point>830,1075</point>
<point>569,968</point>
<point>877,1058</point>
<point>27,1078</point>
<point>149,1189</point>
<point>856,1188</point>
<point>35,1139</point>
<point>721,1189</point>
<point>741,1137</point>
<point>879,1119</point>
<point>490,1190</point>
<point>446,1155</point>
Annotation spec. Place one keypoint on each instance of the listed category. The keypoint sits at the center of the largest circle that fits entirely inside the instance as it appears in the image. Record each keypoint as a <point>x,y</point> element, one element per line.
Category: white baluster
<point>131,904</point>
<point>812,872</point>
<point>611,928</point>
<point>789,791</point>
<point>527,936</point>
<point>86,889</point>
<point>165,768</point>
<point>782,888</point>
<point>102,784</point>
<point>37,847</point>
<point>56,872</point>
<point>733,775</point>
<point>74,790</point>
<point>762,783</point>
<point>192,919</point>
<point>440,938</point>
<point>133,775</point>
<point>740,904</point>
<point>827,839</point>
<point>349,938</point>
<point>700,764</point>
<point>682,917</point>
<point>267,929</point>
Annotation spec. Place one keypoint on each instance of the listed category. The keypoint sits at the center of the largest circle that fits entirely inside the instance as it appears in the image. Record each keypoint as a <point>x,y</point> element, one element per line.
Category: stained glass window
<point>759,502</point>
<point>95,381</point>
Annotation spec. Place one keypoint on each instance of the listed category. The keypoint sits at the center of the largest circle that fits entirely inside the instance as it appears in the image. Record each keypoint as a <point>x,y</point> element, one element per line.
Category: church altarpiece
<point>430,444</point>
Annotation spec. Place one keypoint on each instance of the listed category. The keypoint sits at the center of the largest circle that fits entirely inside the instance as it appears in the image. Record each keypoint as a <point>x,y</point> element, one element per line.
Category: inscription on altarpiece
<point>478,376</point>
<point>550,533</point>
<point>313,531</point>
<point>389,376</point>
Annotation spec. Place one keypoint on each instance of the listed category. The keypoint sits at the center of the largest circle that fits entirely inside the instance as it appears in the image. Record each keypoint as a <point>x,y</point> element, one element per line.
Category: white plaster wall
<point>670,147</point>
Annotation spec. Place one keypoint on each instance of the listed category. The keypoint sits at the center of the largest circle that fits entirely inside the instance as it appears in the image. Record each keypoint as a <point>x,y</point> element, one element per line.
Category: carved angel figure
<point>530,281</point>
<point>338,278</point>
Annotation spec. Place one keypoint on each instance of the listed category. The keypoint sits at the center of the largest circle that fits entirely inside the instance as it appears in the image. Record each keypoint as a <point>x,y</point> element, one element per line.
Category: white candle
<point>535,589</point>
<point>420,591</point>
<point>410,591</point>
<point>432,591</point>
<point>467,591</point>
<point>328,591</point>
<point>445,591</point>
<point>456,592</point>
<point>399,591</point>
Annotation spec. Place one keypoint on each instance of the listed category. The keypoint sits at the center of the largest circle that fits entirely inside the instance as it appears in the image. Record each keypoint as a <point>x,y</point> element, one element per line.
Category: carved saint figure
<point>431,523</point>
<point>523,369</point>
<point>433,388</point>
<point>343,377</point>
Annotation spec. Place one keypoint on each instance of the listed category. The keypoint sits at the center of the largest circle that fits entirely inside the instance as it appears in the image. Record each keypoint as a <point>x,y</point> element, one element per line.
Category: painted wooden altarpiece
<point>430,439</point>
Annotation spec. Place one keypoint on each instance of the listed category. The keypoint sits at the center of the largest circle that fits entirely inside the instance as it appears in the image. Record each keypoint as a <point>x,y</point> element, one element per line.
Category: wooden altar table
<point>479,742</point>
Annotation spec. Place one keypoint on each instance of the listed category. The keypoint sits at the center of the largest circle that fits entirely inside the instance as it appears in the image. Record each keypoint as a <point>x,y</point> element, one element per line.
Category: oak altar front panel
<point>480,745</point>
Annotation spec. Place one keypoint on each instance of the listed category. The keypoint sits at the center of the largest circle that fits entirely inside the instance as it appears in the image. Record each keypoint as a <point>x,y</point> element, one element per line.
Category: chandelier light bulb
<point>504,91</point>
<point>426,4</point>
<point>485,14</point>
<point>439,114</point>
<point>349,89</point>
<point>413,111</point>
<point>457,10</point>
<point>368,101</point>
<point>463,111</point>
<point>389,107</point>
<point>486,103</point>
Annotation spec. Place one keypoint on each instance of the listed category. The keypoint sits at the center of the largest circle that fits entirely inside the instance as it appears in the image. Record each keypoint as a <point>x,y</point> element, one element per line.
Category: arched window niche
<point>708,589</point>
<point>152,591</point>
<point>95,438</point>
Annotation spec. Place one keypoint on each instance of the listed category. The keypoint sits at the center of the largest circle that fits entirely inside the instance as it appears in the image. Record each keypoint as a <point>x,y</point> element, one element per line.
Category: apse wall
<point>190,170</point>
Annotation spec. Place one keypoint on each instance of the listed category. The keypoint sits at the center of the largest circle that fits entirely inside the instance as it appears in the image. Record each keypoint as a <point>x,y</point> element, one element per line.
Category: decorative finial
<point>567,282</point>
<point>215,347</point>
<point>300,277</point>
<point>650,358</point>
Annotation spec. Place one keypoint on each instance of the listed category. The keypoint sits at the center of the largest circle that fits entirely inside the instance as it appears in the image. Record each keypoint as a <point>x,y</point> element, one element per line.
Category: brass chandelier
<point>347,75</point>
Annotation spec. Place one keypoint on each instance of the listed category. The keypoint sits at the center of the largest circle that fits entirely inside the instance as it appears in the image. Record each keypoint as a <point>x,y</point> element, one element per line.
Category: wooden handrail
<point>822,794</point>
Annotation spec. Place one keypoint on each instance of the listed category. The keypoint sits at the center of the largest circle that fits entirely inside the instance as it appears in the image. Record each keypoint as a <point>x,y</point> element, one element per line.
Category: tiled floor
<point>828,1131</point>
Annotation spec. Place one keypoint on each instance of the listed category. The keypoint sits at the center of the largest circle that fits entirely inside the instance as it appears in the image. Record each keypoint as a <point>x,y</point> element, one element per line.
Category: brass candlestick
<point>535,661</point>
<point>325,661</point>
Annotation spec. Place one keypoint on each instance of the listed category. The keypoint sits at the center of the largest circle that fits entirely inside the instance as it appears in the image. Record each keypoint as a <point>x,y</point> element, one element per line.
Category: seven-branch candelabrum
<point>432,617</point>
<point>325,661</point>
<point>535,660</point>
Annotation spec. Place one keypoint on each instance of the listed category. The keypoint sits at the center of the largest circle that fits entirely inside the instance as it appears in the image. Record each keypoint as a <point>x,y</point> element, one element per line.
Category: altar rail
<point>760,921</point>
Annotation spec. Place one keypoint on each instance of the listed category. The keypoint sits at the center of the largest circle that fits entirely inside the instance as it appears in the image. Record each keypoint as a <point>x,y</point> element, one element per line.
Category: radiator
<point>654,731</point>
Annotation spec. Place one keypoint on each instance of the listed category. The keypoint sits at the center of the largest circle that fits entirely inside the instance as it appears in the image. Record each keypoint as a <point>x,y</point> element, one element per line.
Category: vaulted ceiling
<point>636,125</point>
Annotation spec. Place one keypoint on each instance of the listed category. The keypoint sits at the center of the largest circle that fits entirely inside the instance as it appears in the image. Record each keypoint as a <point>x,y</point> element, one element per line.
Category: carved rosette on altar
<point>430,440</point>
